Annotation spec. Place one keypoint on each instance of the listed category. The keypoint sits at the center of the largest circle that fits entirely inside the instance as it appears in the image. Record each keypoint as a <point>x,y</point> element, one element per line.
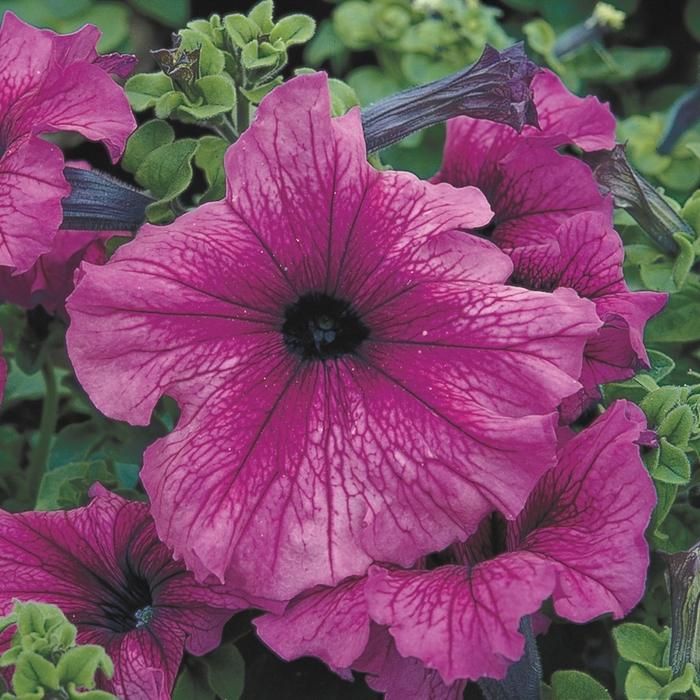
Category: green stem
<point>242,112</point>
<point>225,129</point>
<point>47,427</point>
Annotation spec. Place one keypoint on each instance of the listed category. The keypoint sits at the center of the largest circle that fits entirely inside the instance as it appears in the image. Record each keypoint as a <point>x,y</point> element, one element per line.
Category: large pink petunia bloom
<point>539,197</point>
<point>352,386</point>
<point>579,539</point>
<point>49,83</point>
<point>104,566</point>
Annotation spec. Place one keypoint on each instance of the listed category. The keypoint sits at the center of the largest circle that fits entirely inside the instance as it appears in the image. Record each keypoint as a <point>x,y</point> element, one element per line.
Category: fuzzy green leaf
<point>33,672</point>
<point>146,138</point>
<point>167,171</point>
<point>575,685</point>
<point>80,664</point>
<point>209,157</point>
<point>294,29</point>
<point>144,89</point>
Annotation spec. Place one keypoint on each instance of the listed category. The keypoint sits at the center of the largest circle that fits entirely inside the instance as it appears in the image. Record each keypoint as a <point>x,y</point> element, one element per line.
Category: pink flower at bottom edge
<point>580,540</point>
<point>345,395</point>
<point>104,566</point>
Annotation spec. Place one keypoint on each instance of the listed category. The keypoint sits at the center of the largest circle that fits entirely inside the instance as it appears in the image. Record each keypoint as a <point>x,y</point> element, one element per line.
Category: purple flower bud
<point>634,194</point>
<point>496,87</point>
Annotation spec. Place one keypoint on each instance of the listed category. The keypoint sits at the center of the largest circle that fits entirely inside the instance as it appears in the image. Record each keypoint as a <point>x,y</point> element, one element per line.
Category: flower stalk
<point>496,87</point>
<point>683,578</point>
<point>524,678</point>
<point>633,193</point>
<point>98,202</point>
<point>47,427</point>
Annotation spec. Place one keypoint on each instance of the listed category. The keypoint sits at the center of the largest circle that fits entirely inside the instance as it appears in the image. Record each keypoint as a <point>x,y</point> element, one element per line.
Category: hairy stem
<point>47,427</point>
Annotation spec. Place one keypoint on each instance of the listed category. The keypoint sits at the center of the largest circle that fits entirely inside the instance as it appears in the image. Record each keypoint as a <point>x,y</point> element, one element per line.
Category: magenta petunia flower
<point>586,254</point>
<point>50,280</point>
<point>579,539</point>
<point>352,387</point>
<point>104,566</point>
<point>538,195</point>
<point>49,83</point>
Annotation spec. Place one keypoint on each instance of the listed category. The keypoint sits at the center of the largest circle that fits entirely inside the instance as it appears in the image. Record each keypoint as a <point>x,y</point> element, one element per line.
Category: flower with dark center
<point>104,566</point>
<point>356,381</point>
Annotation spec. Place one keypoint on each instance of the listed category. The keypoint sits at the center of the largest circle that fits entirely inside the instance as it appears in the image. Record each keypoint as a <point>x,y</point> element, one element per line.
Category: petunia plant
<point>392,365</point>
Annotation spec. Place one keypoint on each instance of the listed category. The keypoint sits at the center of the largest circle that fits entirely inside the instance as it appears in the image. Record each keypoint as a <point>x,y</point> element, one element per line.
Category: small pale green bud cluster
<point>217,63</point>
<point>48,665</point>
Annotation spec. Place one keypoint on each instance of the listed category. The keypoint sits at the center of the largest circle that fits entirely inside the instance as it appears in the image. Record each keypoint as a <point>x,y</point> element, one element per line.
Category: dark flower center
<point>318,327</point>
<point>129,608</point>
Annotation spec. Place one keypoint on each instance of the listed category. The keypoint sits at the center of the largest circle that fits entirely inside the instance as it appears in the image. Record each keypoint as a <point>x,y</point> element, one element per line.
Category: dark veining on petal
<point>320,327</point>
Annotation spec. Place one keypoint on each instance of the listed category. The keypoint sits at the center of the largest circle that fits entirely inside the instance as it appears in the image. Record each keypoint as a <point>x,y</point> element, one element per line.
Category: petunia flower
<point>351,386</point>
<point>49,281</point>
<point>586,254</point>
<point>104,566</point>
<point>579,539</point>
<point>49,83</point>
<point>553,222</point>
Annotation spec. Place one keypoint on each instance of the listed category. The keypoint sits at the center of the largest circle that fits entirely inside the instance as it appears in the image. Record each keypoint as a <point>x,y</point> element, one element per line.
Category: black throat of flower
<point>130,607</point>
<point>321,327</point>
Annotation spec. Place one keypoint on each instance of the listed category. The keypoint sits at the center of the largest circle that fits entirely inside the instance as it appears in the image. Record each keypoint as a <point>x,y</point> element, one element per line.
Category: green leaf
<point>294,29</point>
<point>684,260</point>
<point>73,444</point>
<point>226,671</point>
<point>80,664</point>
<point>679,322</point>
<point>68,485</point>
<point>167,171</point>
<point>209,157</point>
<point>240,30</point>
<point>91,695</point>
<point>343,97</point>
<point>354,24</point>
<point>255,95</point>
<point>691,16</point>
<point>166,104</point>
<point>171,13</point>
<point>33,672</point>
<point>677,426</point>
<point>574,685</point>
<point>146,138</point>
<point>111,17</point>
<point>641,685</point>
<point>144,89</point>
<point>219,97</point>
<point>669,463</point>
<point>261,14</point>
<point>641,644</point>
<point>191,685</point>
<point>326,46</point>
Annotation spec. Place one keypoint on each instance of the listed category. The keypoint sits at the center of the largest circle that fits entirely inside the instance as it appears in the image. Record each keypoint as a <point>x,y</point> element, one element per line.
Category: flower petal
<point>586,121</point>
<point>461,622</point>
<point>587,518</point>
<point>31,188</point>
<point>399,677</point>
<point>82,98</point>
<point>330,623</point>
